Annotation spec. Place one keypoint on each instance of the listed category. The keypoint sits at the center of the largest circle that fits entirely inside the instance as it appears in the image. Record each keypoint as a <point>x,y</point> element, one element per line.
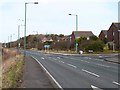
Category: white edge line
<point>95,88</point>
<point>115,83</point>
<point>48,73</point>
<point>90,73</point>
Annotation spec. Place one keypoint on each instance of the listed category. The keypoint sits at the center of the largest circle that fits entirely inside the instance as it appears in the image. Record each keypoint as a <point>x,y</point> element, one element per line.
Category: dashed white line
<point>54,59</point>
<point>116,83</point>
<point>58,57</point>
<point>72,65</point>
<point>86,61</point>
<point>82,60</point>
<point>90,73</point>
<point>62,62</point>
<point>102,65</point>
<point>42,58</point>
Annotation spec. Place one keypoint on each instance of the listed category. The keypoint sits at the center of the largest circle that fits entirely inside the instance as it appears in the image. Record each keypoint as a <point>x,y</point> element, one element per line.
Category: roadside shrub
<point>96,46</point>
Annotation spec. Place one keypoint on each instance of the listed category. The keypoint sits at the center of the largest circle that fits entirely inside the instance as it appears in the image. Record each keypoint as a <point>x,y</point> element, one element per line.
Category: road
<point>80,71</point>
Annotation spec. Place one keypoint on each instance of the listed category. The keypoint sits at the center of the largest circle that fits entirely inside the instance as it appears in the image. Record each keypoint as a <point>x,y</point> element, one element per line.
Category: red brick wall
<point>112,37</point>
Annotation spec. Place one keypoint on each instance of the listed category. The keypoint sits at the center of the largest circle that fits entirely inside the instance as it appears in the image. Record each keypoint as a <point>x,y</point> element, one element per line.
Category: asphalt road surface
<point>80,71</point>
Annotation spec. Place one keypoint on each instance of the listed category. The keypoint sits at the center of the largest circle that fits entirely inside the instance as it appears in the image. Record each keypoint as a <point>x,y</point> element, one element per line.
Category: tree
<point>61,35</point>
<point>94,38</point>
<point>40,46</point>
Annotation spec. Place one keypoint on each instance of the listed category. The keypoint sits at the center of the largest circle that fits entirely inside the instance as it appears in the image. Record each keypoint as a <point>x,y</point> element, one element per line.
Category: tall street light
<point>19,33</point>
<point>76,31</point>
<point>37,38</point>
<point>25,25</point>
<point>11,39</point>
<point>118,39</point>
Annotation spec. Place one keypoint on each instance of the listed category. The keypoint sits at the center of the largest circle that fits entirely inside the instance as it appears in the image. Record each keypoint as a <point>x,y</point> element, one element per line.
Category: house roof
<point>83,33</point>
<point>104,31</point>
<point>117,25</point>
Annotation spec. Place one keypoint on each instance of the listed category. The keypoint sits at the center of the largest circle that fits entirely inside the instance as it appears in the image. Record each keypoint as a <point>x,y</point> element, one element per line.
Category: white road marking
<point>81,60</point>
<point>87,57</point>
<point>116,83</point>
<point>62,62</point>
<point>42,58</point>
<point>95,88</point>
<point>86,61</point>
<point>72,65</point>
<point>103,65</point>
<point>54,59</point>
<point>90,73</point>
<point>49,74</point>
<point>58,57</point>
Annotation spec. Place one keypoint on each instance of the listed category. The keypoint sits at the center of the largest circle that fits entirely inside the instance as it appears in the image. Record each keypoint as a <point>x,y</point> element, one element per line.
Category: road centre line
<point>58,57</point>
<point>48,73</point>
<point>61,61</point>
<point>90,73</point>
<point>85,61</point>
<point>54,59</point>
<point>103,65</point>
<point>90,62</point>
<point>116,83</point>
<point>42,58</point>
<point>72,65</point>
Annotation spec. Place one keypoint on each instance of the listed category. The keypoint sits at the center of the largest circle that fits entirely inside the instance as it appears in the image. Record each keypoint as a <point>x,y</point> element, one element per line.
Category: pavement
<point>34,76</point>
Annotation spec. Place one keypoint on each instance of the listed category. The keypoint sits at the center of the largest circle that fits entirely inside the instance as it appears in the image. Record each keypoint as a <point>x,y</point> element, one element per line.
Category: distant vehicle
<point>90,51</point>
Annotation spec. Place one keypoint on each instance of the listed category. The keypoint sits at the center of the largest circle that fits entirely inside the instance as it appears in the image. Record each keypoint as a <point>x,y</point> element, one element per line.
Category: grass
<point>11,77</point>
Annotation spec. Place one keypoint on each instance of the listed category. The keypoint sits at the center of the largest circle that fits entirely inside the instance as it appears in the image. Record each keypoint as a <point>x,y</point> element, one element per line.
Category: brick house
<point>113,35</point>
<point>78,34</point>
<point>103,34</point>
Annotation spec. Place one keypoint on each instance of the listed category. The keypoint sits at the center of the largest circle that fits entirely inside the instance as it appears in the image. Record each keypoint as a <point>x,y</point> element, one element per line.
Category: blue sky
<point>51,16</point>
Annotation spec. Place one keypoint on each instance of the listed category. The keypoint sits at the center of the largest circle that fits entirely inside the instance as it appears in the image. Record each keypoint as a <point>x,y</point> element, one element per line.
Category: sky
<point>51,17</point>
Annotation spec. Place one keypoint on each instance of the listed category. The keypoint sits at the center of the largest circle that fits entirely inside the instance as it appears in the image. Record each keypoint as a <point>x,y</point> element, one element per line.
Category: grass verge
<point>11,78</point>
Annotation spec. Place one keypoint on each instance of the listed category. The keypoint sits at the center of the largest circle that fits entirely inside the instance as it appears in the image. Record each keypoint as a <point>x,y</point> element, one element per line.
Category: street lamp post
<point>25,26</point>
<point>19,26</point>
<point>119,40</point>
<point>37,38</point>
<point>11,40</point>
<point>76,45</point>
<point>18,36</point>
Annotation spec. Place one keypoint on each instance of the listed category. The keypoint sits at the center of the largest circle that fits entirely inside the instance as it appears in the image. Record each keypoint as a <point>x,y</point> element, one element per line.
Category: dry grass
<point>6,54</point>
<point>0,66</point>
<point>11,75</point>
<point>12,66</point>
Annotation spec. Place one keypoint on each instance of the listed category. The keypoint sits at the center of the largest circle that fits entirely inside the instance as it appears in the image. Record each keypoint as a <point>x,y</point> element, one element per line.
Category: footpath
<point>34,76</point>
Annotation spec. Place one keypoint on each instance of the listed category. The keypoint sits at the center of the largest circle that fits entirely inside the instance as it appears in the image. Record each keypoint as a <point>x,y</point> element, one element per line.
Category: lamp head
<point>35,2</point>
